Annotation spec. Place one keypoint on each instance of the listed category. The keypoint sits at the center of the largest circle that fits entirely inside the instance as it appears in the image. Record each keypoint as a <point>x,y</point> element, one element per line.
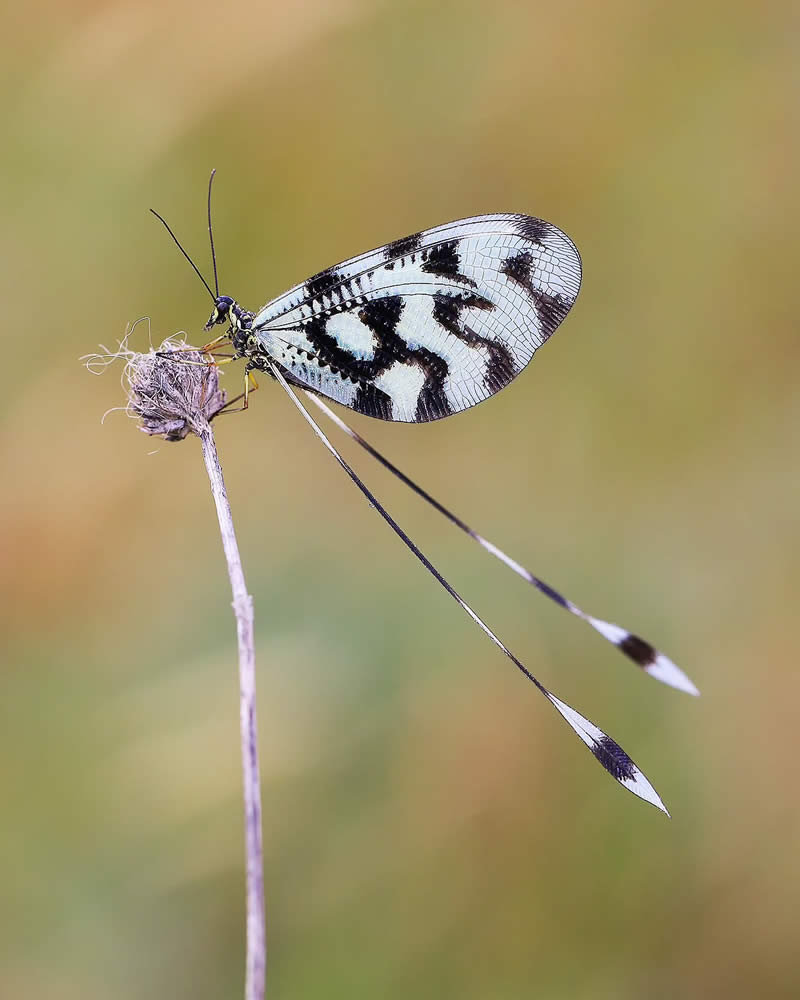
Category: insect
<point>417,330</point>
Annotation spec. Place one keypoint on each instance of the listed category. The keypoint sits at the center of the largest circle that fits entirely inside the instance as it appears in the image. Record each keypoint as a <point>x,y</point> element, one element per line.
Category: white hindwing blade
<point>430,324</point>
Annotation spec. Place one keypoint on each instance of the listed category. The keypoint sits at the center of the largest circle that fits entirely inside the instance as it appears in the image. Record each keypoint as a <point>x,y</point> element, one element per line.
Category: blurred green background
<point>431,827</point>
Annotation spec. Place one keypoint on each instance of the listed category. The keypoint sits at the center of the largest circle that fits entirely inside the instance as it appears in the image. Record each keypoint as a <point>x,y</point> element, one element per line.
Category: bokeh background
<point>431,828</point>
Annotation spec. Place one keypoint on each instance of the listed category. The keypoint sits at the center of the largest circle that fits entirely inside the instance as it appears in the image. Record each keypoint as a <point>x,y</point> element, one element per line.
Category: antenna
<point>185,254</point>
<point>211,233</point>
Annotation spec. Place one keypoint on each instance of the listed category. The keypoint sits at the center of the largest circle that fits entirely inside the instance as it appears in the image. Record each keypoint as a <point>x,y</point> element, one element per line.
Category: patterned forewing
<point>430,324</point>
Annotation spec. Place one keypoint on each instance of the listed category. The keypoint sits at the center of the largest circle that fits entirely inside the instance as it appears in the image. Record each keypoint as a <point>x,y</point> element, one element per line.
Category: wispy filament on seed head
<point>172,391</point>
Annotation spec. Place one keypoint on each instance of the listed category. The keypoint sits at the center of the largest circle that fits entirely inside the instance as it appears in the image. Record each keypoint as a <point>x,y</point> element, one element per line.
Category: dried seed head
<point>173,395</point>
<point>172,391</point>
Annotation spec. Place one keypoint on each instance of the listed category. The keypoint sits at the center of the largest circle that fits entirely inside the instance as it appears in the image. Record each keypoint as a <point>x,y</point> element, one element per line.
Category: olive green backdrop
<point>431,828</point>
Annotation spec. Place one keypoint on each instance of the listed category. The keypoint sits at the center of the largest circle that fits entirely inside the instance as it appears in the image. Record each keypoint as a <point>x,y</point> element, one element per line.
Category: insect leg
<point>250,385</point>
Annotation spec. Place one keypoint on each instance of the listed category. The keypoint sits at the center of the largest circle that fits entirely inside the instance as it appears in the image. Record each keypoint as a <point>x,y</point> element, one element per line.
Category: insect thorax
<point>244,342</point>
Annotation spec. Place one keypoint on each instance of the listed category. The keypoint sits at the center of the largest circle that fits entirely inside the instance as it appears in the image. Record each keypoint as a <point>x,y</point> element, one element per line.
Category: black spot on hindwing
<point>547,589</point>
<point>614,759</point>
<point>638,650</point>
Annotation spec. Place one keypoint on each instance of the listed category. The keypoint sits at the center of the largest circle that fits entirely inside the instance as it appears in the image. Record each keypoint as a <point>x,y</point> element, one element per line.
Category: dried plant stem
<point>243,609</point>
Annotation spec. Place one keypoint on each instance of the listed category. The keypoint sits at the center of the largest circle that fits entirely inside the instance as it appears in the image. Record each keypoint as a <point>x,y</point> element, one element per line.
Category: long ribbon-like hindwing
<point>609,753</point>
<point>654,663</point>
